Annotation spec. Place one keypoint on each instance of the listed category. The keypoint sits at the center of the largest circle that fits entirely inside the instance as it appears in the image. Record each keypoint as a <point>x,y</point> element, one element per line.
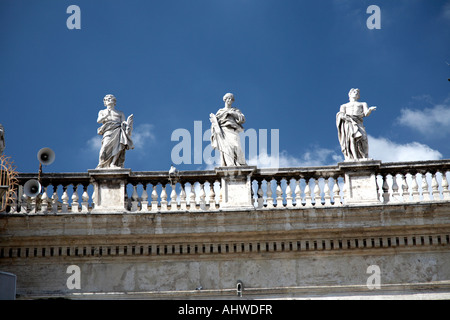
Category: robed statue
<point>226,125</point>
<point>116,132</point>
<point>351,132</point>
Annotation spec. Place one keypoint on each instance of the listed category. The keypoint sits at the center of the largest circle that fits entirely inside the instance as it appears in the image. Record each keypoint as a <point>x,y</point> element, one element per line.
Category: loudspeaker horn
<point>32,188</point>
<point>46,156</point>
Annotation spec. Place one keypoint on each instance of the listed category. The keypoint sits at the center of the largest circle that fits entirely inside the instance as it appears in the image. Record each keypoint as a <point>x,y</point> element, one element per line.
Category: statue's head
<point>228,95</point>
<point>109,98</point>
<point>353,93</point>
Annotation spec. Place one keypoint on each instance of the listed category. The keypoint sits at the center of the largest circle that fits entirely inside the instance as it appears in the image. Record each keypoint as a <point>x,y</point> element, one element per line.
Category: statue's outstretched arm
<point>367,110</point>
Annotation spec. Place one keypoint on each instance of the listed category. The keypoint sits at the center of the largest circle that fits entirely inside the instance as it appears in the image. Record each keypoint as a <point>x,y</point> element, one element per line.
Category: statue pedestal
<point>109,189</point>
<point>360,181</point>
<point>236,187</point>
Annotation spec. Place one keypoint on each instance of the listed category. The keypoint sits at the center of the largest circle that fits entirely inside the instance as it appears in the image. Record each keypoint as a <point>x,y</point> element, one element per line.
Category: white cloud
<point>142,134</point>
<point>389,151</point>
<point>94,143</point>
<point>379,149</point>
<point>429,121</point>
<point>316,157</point>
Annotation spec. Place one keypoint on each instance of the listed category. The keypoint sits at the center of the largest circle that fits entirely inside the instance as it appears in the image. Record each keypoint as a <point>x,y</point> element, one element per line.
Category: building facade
<point>355,230</point>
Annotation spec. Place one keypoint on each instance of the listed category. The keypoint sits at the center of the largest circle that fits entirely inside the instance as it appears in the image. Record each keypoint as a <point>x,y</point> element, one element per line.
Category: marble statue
<point>116,132</point>
<point>2,139</point>
<point>351,132</point>
<point>226,125</point>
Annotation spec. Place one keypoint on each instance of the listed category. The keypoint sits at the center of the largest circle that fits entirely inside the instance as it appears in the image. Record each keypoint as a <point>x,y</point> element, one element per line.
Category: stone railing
<point>236,188</point>
<point>414,181</point>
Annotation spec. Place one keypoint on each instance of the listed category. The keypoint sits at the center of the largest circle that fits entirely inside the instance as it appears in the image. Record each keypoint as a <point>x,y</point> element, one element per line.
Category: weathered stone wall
<point>275,253</point>
<point>271,272</point>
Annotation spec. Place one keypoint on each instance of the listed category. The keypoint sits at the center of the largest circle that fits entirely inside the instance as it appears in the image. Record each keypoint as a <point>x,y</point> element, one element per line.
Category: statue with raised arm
<point>116,132</point>
<point>351,132</point>
<point>226,125</point>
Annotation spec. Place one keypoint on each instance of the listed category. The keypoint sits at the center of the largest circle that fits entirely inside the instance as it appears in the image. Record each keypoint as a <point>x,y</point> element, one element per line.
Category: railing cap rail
<point>74,178</point>
<point>56,178</point>
<point>416,166</point>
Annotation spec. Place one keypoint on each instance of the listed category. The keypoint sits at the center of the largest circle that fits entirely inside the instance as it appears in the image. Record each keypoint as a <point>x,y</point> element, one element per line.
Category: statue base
<point>236,187</point>
<point>360,181</point>
<point>109,189</point>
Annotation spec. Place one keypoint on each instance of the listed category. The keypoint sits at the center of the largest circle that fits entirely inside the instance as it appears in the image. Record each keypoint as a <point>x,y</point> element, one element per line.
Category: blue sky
<point>290,64</point>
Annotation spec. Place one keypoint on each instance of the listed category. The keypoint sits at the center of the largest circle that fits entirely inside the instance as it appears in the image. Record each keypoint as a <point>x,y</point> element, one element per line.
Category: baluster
<point>183,206</point>
<point>415,188</point>
<point>85,200</point>
<point>24,204</point>
<point>154,198</point>
<point>279,193</point>
<point>269,199</point>
<point>44,199</point>
<point>144,198</point>
<point>212,197</point>
<point>308,198</point>
<point>39,203</point>
<point>289,197</point>
<point>425,191</point>
<point>317,198</point>
<point>75,199</point>
<point>336,195</point>
<point>55,199</point>
<point>435,187</point>
<point>405,192</point>
<point>202,196</point>
<point>395,193</point>
<point>173,199</point>
<point>28,204</point>
<point>379,189</point>
<point>327,192</point>
<point>134,199</point>
<point>192,203</point>
<point>298,195</point>
<point>65,200</point>
<point>385,188</point>
<point>32,205</point>
<point>445,191</point>
<point>164,198</point>
<point>260,194</point>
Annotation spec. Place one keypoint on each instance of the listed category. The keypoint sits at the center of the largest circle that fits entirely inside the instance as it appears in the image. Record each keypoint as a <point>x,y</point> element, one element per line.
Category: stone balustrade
<point>61,193</point>
<point>299,187</point>
<point>236,188</point>
<point>414,182</point>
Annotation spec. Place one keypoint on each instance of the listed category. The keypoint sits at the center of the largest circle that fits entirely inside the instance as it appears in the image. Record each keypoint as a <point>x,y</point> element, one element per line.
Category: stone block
<point>360,181</point>
<point>236,187</point>
<point>109,189</point>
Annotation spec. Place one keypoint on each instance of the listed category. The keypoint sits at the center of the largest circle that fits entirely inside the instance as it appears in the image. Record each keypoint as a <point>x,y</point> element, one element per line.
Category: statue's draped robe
<point>352,136</point>
<point>226,137</point>
<point>116,140</point>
